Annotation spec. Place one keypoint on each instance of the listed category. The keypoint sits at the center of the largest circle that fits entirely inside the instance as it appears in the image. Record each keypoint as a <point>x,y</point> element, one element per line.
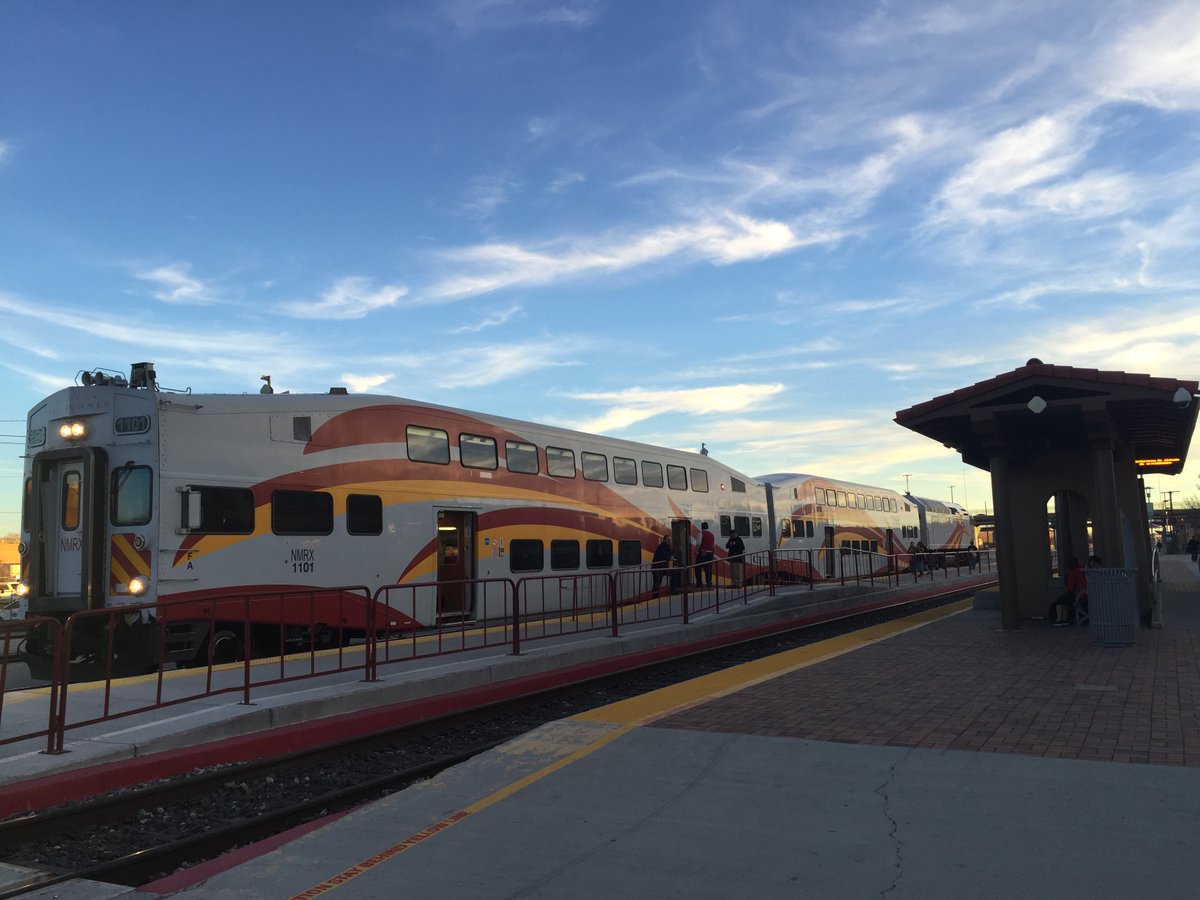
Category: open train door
<point>455,564</point>
<point>681,552</point>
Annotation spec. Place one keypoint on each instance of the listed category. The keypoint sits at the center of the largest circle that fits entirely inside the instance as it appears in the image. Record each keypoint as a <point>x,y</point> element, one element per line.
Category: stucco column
<point>1006,563</point>
<point>1106,519</point>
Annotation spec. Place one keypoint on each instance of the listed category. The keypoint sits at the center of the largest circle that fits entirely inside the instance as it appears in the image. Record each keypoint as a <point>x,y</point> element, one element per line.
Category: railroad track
<point>136,836</point>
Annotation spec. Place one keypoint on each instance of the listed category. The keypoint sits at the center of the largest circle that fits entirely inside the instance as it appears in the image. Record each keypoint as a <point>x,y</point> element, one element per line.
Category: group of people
<point>706,552</point>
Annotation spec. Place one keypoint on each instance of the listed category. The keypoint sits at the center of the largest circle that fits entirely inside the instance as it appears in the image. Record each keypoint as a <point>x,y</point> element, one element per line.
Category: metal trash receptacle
<point>1112,606</point>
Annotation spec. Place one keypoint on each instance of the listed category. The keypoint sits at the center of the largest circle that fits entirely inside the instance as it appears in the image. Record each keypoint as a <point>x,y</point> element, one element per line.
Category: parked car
<point>12,604</point>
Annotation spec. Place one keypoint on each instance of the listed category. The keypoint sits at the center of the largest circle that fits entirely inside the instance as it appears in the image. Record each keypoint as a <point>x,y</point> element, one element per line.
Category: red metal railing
<point>299,634</point>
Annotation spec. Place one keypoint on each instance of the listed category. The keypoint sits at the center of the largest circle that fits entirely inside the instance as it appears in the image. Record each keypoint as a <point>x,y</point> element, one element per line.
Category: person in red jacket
<point>1076,587</point>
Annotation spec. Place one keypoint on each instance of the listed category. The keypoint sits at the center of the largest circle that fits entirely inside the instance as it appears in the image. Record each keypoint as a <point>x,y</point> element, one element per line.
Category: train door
<point>455,563</point>
<point>681,548</point>
<point>66,529</point>
<point>830,563</point>
<point>890,548</point>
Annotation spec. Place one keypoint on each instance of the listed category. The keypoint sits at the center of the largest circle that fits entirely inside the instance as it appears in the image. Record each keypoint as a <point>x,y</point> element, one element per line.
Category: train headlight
<point>72,431</point>
<point>22,589</point>
<point>137,586</point>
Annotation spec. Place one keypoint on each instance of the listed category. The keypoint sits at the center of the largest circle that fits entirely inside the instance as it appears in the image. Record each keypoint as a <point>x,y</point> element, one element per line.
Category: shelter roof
<point>1145,413</point>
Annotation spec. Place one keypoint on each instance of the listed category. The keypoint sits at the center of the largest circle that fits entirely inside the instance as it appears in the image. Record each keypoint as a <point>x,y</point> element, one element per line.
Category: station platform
<point>937,756</point>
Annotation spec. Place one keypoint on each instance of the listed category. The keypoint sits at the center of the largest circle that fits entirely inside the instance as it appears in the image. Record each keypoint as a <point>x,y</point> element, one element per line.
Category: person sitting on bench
<point>1064,606</point>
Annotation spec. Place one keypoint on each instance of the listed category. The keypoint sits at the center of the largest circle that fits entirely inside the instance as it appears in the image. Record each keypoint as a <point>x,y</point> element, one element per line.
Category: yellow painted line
<point>349,874</point>
<point>629,715</point>
<point>664,701</point>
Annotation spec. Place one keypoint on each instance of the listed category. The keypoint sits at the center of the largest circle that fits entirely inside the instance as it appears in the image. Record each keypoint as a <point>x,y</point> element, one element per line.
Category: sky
<point>761,225</point>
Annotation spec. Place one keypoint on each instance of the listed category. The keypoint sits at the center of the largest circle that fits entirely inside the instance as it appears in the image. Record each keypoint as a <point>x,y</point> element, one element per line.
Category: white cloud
<point>491,319</point>
<point>723,240</point>
<point>1156,63</point>
<point>637,404</point>
<point>350,298</point>
<point>987,189</point>
<point>364,384</point>
<point>176,285</point>
<point>5,150</point>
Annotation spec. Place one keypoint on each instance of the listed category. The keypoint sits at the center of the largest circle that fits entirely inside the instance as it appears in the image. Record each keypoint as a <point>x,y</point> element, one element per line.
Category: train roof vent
<point>338,390</point>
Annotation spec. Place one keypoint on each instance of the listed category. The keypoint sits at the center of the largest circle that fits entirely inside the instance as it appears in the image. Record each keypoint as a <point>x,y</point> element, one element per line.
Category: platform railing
<point>348,629</point>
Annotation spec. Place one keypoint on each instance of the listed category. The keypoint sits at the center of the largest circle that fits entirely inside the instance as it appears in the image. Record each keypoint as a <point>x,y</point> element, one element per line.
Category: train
<point>135,494</point>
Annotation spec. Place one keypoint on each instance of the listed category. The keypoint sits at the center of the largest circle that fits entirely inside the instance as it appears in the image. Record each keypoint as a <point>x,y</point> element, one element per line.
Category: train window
<point>795,493</point>
<point>564,555</point>
<point>874,546</point>
<point>798,527</point>
<point>785,528</point>
<point>223,510</point>
<point>741,524</point>
<point>820,496</point>
<point>130,502</point>
<point>699,480</point>
<point>851,501</point>
<point>652,475</point>
<point>301,512</point>
<point>677,478</point>
<point>521,457</point>
<point>599,554</point>
<point>862,502</point>
<point>594,465</point>
<point>629,553</point>
<point>526,555</point>
<point>70,501</point>
<point>737,485</point>
<point>560,462</point>
<point>810,528</point>
<point>755,526</point>
<point>364,514</point>
<point>476,451</point>
<point>726,525</point>
<point>841,498</point>
<point>431,445</point>
<point>624,470</point>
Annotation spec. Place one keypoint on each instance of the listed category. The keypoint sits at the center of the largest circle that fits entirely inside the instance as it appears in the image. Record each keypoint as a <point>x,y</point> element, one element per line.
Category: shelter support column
<point>1106,518</point>
<point>1006,562</point>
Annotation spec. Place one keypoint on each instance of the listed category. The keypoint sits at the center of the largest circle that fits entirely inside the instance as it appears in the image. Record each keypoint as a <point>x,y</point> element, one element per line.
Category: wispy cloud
<point>4,151</point>
<point>174,284</point>
<point>350,298</point>
<point>470,18</point>
<point>468,366</point>
<point>725,240</point>
<point>637,404</point>
<point>491,319</point>
<point>1155,63</point>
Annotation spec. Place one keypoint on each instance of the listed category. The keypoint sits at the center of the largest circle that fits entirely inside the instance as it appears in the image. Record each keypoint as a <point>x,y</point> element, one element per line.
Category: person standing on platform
<point>661,563</point>
<point>736,548</point>
<point>705,551</point>
<point>1194,548</point>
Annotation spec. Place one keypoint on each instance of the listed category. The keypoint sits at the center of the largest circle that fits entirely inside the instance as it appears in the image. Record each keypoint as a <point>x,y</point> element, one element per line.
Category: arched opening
<point>1068,515</point>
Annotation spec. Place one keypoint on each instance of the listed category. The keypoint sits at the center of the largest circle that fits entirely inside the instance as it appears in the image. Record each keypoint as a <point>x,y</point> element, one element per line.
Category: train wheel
<point>226,646</point>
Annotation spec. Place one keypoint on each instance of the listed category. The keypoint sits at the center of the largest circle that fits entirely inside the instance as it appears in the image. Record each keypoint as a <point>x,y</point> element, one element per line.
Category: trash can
<point>1112,606</point>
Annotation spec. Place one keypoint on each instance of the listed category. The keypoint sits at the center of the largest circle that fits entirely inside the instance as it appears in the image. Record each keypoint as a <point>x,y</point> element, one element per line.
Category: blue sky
<point>766,226</point>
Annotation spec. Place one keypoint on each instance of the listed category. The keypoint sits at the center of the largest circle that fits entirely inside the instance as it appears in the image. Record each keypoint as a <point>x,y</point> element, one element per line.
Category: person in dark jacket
<point>736,548</point>
<point>661,563</point>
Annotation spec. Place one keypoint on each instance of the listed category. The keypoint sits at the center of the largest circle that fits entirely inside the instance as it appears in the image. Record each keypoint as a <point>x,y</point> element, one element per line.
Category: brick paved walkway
<point>965,684</point>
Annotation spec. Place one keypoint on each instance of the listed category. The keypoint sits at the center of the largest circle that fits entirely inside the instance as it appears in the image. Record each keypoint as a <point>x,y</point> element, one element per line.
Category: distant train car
<point>135,494</point>
<point>839,524</point>
<point>943,526</point>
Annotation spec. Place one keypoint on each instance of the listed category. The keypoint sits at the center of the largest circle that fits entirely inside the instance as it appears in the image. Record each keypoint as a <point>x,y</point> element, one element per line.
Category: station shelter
<point>1079,439</point>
